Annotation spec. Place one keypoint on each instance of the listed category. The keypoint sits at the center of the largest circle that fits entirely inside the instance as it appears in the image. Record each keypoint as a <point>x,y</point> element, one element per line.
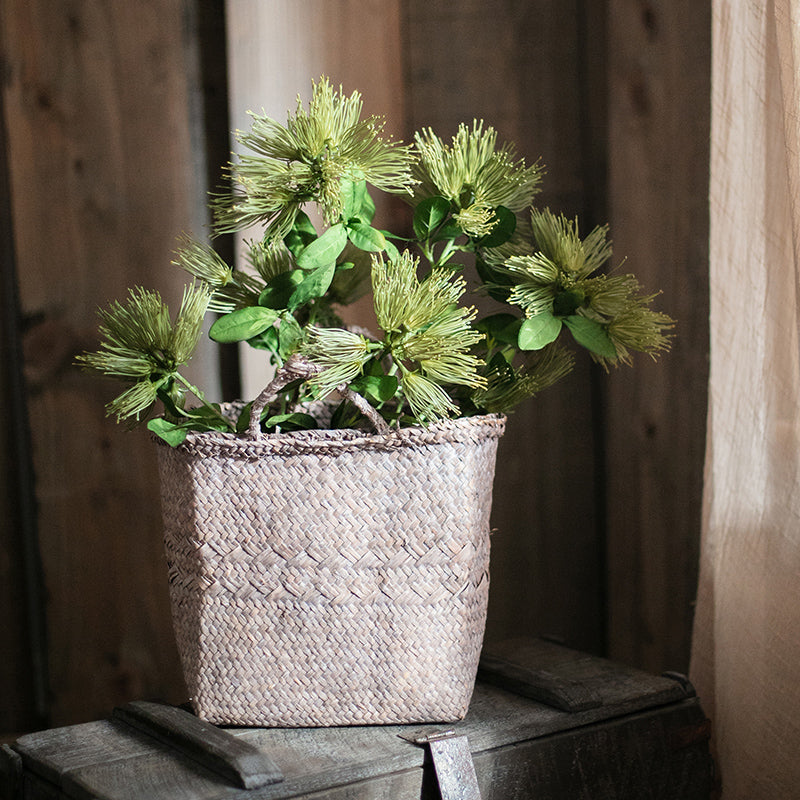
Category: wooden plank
<point>312,759</point>
<point>99,120</point>
<point>10,774</point>
<point>22,634</point>
<point>536,683</point>
<point>233,759</point>
<point>522,67</point>
<point>657,753</point>
<point>659,76</point>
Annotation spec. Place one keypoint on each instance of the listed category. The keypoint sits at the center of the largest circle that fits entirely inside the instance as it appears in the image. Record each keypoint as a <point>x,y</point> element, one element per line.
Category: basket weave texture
<point>330,577</point>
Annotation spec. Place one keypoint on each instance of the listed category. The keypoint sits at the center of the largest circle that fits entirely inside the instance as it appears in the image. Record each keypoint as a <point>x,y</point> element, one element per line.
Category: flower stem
<point>205,404</point>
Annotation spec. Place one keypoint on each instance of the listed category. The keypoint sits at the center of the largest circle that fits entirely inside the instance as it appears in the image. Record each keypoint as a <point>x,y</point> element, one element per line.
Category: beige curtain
<point>746,647</point>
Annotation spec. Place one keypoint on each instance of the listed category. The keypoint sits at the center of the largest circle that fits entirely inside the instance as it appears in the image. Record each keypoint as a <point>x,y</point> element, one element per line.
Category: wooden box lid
<point>639,716</point>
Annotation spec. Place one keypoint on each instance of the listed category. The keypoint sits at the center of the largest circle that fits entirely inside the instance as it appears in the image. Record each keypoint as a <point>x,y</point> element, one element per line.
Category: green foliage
<point>430,356</point>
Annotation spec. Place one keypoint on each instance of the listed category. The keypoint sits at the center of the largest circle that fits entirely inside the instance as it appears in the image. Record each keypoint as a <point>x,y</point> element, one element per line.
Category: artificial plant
<point>432,355</point>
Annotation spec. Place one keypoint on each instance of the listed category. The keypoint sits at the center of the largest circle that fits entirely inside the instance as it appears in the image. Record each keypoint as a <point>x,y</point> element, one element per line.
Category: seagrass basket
<point>326,578</point>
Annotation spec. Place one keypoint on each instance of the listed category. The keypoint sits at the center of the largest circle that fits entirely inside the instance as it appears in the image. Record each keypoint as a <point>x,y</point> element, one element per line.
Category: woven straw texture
<point>330,577</point>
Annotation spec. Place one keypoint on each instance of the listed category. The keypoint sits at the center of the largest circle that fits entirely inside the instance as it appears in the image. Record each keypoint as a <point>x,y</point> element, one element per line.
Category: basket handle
<point>298,367</point>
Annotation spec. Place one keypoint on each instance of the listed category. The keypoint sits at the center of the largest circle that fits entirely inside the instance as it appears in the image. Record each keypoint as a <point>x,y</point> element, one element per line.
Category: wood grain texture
<point>99,122</point>
<point>521,67</point>
<point>659,85</point>
<point>233,759</point>
<point>646,739</point>
<point>21,630</point>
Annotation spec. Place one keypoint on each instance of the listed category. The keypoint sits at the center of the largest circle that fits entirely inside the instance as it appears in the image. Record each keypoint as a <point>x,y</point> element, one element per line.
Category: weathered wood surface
<point>22,625</point>
<point>645,740</point>
<point>99,117</point>
<point>522,67</point>
<point>234,759</point>
<point>11,771</point>
<point>659,90</point>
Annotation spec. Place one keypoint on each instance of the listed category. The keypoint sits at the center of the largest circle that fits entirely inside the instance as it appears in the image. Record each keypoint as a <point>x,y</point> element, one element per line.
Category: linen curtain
<point>746,644</point>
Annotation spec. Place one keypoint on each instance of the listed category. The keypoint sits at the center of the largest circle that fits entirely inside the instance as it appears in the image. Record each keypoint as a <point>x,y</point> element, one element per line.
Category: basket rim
<point>474,429</point>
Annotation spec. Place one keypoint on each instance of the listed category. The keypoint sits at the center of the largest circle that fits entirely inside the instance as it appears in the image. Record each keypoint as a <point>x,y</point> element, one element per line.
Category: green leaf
<point>537,332</point>
<point>492,278</point>
<point>242,324</point>
<point>169,402</point>
<point>498,364</point>
<point>392,253</point>
<point>503,328</point>
<point>504,226</point>
<point>325,250</point>
<point>243,423</point>
<point>280,289</point>
<point>365,237</point>
<point>268,340</point>
<point>378,388</point>
<point>301,234</point>
<point>290,334</point>
<point>429,215</point>
<point>592,335</point>
<point>314,284</point>
<point>357,204</point>
<point>292,422</point>
<point>345,415</point>
<point>172,433</point>
<point>449,231</point>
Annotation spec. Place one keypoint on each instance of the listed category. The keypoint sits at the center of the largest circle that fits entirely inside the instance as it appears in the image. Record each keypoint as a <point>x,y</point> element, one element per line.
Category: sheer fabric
<point>746,645</point>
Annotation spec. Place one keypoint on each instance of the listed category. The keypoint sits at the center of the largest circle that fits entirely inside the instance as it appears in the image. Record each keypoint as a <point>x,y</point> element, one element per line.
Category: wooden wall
<point>110,111</point>
<point>103,151</point>
<point>659,71</point>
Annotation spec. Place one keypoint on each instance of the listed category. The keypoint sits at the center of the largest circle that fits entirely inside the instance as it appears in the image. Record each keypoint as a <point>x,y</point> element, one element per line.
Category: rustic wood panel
<point>659,89</point>
<point>645,738</point>
<point>100,111</point>
<point>523,68</point>
<point>21,634</point>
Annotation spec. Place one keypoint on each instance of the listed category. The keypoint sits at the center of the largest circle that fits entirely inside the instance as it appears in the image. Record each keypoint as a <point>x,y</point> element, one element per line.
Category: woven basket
<point>330,578</point>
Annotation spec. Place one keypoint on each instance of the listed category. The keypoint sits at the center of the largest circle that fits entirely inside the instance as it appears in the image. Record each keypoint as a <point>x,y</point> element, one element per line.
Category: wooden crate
<point>545,722</point>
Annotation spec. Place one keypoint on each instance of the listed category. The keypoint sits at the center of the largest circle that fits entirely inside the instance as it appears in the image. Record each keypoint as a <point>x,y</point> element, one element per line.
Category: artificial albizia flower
<point>557,283</point>
<point>306,160</point>
<point>341,355</point>
<point>141,345</point>
<point>474,174</point>
<point>428,335</point>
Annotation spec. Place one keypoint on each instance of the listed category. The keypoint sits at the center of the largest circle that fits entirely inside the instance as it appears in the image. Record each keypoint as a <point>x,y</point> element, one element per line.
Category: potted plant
<point>327,541</point>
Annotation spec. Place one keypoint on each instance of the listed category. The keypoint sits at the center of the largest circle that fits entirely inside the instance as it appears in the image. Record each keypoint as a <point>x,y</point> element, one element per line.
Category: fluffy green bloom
<point>269,258</point>
<point>402,301</point>
<point>340,353</point>
<point>639,328</point>
<point>427,333</point>
<point>474,174</point>
<point>141,345</point>
<point>508,386</point>
<point>560,265</point>
<point>428,401</point>
<point>203,262</point>
<point>558,278</point>
<point>305,161</point>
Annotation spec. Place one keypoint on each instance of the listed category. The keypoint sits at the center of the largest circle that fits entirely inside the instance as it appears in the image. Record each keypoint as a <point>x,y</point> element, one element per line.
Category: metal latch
<point>452,761</point>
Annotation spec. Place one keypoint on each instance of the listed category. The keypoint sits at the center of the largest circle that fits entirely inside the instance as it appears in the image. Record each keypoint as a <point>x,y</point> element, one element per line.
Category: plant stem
<point>201,397</point>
